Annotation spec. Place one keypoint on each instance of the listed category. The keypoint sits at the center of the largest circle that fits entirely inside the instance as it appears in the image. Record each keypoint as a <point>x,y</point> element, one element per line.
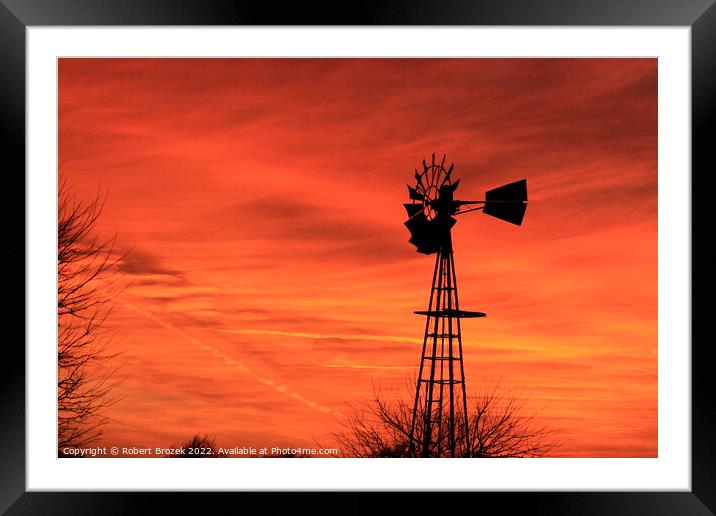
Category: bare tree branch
<point>198,447</point>
<point>497,427</point>
<point>85,274</point>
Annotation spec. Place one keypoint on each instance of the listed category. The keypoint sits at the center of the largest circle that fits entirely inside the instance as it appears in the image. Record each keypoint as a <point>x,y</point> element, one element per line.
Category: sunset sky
<point>270,284</point>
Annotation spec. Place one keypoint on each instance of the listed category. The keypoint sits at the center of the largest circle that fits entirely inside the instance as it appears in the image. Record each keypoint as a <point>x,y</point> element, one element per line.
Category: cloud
<point>140,262</point>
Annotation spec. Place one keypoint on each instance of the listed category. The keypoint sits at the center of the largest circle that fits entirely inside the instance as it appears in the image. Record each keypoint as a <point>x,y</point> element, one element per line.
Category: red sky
<point>270,281</point>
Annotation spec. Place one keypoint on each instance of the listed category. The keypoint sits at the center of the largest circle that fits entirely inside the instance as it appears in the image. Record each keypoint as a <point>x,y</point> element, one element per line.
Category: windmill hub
<point>440,422</point>
<point>431,203</point>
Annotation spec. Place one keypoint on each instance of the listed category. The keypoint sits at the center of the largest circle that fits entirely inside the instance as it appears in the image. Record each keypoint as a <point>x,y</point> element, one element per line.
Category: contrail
<point>230,360</point>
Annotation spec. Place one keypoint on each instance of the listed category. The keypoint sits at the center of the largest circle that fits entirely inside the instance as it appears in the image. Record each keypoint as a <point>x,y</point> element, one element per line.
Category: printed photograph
<point>349,258</point>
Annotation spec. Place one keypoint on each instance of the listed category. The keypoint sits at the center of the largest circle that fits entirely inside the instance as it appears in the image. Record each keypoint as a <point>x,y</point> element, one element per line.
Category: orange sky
<point>272,284</point>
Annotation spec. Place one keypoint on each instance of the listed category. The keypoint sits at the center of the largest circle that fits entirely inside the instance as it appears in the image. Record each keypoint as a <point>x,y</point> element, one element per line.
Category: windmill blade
<point>414,194</point>
<point>508,211</point>
<point>427,249</point>
<point>413,209</point>
<point>424,244</point>
<point>445,195</point>
<point>443,223</point>
<point>417,224</point>
<point>419,179</point>
<point>446,179</point>
<point>447,174</point>
<point>428,236</point>
<point>516,191</point>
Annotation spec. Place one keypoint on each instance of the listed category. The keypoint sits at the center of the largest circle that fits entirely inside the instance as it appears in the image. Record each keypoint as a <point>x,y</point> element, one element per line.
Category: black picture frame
<point>700,15</point>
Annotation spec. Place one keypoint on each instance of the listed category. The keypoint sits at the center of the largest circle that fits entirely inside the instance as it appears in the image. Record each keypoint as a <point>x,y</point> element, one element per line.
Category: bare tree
<point>198,447</point>
<point>85,266</point>
<point>496,426</point>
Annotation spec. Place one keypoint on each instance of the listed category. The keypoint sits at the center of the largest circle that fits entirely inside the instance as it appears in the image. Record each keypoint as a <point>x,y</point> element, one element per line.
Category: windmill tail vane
<point>440,425</point>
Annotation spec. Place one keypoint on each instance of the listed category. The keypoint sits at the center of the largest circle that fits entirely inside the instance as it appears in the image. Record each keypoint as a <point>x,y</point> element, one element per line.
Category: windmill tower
<point>440,424</point>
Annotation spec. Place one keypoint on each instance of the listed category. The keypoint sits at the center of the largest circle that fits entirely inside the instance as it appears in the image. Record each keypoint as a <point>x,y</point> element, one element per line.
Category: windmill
<point>440,393</point>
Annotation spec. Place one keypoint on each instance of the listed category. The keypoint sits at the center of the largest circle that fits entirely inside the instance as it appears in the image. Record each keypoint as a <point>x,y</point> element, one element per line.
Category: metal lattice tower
<point>440,425</point>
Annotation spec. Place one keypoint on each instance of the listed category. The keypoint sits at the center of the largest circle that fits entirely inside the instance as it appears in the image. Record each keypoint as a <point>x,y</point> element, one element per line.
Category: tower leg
<point>412,444</point>
<point>466,421</point>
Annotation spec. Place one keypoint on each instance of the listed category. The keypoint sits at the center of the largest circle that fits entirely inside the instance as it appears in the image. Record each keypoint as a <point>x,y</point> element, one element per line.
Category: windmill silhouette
<point>442,374</point>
